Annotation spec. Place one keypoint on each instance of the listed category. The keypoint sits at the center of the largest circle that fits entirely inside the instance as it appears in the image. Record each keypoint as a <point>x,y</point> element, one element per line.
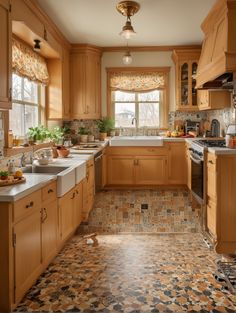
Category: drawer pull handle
<point>29,205</point>
<point>77,192</point>
<point>44,215</point>
<point>211,162</point>
<point>73,196</point>
<point>50,190</point>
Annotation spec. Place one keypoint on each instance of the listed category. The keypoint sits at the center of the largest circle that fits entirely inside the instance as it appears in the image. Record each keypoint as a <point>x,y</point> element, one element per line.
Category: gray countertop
<point>33,183</point>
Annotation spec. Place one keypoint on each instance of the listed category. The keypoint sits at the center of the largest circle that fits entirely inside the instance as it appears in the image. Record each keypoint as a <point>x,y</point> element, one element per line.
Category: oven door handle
<point>197,161</point>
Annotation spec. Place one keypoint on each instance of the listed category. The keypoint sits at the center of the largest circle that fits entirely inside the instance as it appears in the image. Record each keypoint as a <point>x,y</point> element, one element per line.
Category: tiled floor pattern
<point>138,273</point>
<point>120,211</point>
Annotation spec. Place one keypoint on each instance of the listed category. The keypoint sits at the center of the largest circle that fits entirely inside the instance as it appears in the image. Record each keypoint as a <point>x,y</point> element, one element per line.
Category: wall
<point>140,59</point>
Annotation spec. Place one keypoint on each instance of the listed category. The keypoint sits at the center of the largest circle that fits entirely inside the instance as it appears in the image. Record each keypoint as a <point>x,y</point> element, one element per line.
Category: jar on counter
<point>10,138</point>
<point>232,142</point>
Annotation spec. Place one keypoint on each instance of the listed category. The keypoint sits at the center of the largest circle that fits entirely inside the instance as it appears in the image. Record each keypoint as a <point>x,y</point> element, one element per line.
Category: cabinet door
<point>177,163</point>
<point>78,86</point>
<point>189,167</point>
<point>27,254</point>
<point>211,216</point>
<point>120,170</point>
<point>49,220</point>
<point>202,99</point>
<point>66,84</point>
<point>150,170</point>
<point>211,177</point>
<point>66,214</point>
<point>78,204</point>
<point>5,53</point>
<point>93,85</point>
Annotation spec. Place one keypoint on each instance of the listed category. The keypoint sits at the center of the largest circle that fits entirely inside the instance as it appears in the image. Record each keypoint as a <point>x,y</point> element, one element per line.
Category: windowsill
<point>8,152</point>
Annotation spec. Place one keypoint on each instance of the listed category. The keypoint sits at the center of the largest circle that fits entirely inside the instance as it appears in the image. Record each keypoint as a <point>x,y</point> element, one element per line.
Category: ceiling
<point>159,22</point>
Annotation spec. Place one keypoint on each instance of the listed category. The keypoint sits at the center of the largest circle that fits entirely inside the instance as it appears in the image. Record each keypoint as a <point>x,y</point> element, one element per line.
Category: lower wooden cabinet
<point>27,252</point>
<point>221,199</point>
<point>150,166</point>
<point>78,205</point>
<point>120,170</point>
<point>176,163</point>
<point>88,188</point>
<point>150,170</point>
<point>66,215</point>
<point>49,222</point>
<point>188,166</point>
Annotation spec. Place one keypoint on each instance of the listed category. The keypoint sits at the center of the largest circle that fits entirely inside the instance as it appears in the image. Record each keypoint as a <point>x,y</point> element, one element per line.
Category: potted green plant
<point>4,175</point>
<point>57,135</point>
<point>38,133</point>
<point>83,132</point>
<point>105,125</point>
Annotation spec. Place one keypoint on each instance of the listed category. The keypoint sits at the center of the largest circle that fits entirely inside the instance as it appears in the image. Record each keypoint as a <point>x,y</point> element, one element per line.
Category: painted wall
<point>140,59</point>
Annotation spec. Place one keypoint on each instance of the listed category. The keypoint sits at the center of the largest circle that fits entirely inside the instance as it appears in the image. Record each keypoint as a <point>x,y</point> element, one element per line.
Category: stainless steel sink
<point>44,169</point>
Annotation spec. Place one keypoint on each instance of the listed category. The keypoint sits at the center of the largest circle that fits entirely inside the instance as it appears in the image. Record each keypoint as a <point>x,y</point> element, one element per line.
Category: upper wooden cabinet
<point>186,62</point>
<point>85,90</point>
<point>218,54</point>
<point>213,99</point>
<point>58,94</point>
<point>5,53</point>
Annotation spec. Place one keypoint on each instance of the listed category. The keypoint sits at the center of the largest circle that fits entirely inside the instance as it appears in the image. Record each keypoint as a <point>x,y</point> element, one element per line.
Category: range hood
<point>217,63</point>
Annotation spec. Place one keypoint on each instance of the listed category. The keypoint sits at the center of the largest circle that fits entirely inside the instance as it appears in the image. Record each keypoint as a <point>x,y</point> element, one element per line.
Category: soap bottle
<point>11,167</point>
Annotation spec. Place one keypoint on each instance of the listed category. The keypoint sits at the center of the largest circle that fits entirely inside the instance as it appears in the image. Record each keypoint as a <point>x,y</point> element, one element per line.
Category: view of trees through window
<point>25,105</point>
<point>144,106</point>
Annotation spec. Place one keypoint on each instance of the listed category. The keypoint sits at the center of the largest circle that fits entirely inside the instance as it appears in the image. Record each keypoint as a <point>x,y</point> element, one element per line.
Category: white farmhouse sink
<point>136,141</point>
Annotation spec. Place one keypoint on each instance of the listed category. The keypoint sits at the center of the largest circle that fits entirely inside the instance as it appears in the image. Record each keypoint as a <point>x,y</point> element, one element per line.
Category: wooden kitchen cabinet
<point>66,215</point>
<point>186,62</point>
<point>120,170</point>
<point>58,94</point>
<point>78,205</point>
<point>27,252</point>
<point>49,221</point>
<point>213,99</point>
<point>85,91</point>
<point>136,166</point>
<point>150,170</point>
<point>177,163</point>
<point>221,199</point>
<point>88,188</point>
<point>189,166</point>
<point>5,53</point>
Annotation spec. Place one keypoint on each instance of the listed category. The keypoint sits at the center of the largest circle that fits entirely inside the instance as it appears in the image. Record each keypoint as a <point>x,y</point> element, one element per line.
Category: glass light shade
<point>128,31</point>
<point>127,58</point>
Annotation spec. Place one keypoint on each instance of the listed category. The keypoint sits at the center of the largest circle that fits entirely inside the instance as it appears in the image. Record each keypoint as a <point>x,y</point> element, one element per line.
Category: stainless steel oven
<point>197,175</point>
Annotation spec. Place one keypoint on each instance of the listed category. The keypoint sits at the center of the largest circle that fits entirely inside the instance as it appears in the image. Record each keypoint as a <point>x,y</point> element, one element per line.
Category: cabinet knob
<point>211,162</point>
<point>50,190</point>
<point>73,196</point>
<point>29,205</point>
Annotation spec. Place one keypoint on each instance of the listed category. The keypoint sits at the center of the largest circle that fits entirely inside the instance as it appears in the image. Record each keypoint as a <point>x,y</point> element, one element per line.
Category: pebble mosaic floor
<point>120,211</point>
<point>135,273</point>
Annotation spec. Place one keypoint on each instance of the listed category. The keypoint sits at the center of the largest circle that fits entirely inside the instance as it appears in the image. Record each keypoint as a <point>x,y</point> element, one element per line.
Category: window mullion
<point>136,109</point>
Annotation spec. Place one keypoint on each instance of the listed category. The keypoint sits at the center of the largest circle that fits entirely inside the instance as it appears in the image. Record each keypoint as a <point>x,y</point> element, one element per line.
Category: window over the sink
<point>140,93</point>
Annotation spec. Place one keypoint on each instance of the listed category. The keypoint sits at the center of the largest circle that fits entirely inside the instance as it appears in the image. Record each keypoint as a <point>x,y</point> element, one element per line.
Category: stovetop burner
<point>212,143</point>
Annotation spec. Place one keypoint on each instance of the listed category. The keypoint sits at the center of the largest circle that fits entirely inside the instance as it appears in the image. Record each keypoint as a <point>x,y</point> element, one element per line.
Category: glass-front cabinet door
<point>186,62</point>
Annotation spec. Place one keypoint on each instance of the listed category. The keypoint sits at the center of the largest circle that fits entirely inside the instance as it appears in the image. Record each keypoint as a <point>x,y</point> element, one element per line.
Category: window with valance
<point>138,93</point>
<point>30,75</point>
<point>29,64</point>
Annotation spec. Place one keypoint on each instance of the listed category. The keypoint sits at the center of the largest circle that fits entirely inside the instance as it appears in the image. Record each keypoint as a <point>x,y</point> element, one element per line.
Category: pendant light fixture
<point>128,9</point>
<point>127,58</point>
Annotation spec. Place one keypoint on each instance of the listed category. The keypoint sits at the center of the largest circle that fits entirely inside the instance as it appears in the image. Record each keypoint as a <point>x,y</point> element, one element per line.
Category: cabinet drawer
<point>27,204</point>
<point>49,193</point>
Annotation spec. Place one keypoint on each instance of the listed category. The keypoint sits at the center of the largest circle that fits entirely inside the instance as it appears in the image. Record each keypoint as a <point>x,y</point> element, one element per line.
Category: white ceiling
<point>159,22</point>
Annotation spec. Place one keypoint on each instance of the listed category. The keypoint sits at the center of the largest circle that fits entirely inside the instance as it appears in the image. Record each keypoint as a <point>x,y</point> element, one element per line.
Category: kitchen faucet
<point>134,119</point>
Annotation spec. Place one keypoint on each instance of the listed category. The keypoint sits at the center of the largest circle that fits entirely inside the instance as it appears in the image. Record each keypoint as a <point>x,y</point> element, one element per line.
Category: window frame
<point>29,103</point>
<point>165,71</point>
<point>137,109</point>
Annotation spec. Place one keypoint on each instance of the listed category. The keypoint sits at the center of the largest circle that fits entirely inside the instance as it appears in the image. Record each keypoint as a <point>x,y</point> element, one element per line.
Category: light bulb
<point>127,58</point>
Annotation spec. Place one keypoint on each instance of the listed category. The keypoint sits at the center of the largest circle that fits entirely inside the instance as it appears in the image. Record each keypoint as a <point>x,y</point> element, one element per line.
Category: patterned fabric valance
<point>131,81</point>
<point>29,64</point>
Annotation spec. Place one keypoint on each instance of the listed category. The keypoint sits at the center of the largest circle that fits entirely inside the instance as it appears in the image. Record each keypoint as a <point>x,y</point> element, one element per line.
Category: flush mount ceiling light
<point>128,8</point>
<point>37,45</point>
